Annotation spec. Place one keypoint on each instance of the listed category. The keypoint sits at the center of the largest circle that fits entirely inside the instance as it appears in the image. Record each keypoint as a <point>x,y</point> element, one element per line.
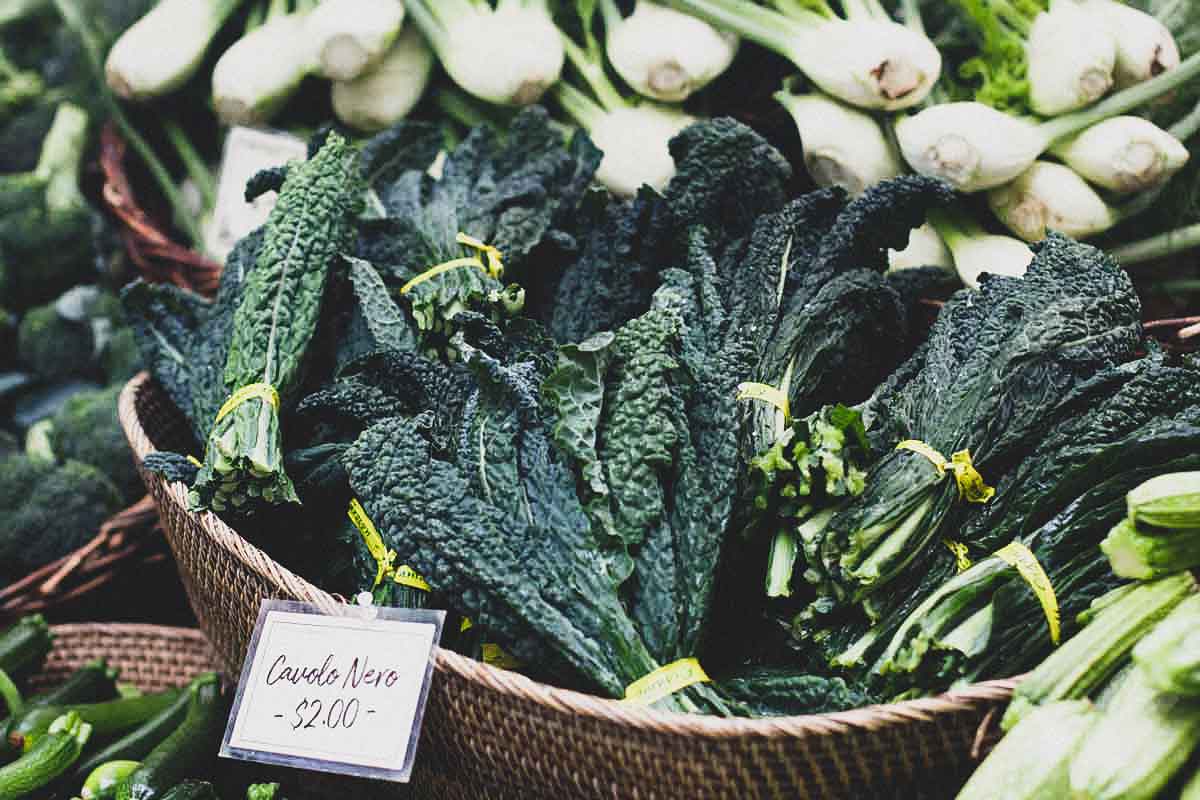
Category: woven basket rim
<point>870,718</point>
<point>131,629</point>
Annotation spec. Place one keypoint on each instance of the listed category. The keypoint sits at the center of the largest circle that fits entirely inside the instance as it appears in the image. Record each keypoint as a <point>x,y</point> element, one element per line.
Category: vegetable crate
<point>494,733</point>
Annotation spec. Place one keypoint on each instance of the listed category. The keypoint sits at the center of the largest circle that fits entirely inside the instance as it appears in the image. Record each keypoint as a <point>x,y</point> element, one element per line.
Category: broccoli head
<point>81,334</point>
<point>52,346</point>
<point>87,430</point>
<point>47,511</point>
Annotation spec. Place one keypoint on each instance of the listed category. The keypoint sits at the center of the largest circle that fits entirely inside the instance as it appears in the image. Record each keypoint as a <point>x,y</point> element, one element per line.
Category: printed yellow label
<point>962,557</point>
<point>494,268</point>
<point>766,394</point>
<point>971,486</point>
<point>664,682</point>
<point>494,655</point>
<point>375,546</point>
<point>1025,562</point>
<point>261,391</point>
<point>407,576</point>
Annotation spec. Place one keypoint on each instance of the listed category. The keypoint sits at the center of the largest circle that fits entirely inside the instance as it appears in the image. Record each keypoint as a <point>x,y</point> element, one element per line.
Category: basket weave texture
<point>151,657</point>
<point>493,733</point>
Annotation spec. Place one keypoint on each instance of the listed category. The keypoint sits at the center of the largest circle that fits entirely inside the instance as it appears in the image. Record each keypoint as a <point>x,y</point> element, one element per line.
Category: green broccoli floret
<point>47,511</point>
<point>263,791</point>
<point>121,359</point>
<point>87,430</point>
<point>81,334</point>
<point>54,347</point>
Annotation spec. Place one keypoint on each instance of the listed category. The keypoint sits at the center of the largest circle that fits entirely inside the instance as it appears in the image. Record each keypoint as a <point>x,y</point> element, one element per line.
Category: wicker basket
<point>492,733</point>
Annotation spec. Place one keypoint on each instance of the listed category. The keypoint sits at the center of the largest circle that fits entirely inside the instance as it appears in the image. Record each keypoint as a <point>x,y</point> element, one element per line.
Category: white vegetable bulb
<point>1071,56</point>
<point>1145,47</point>
<point>350,36</point>
<point>665,54</point>
<point>635,142</point>
<point>160,51</point>
<point>385,94</point>
<point>257,75</point>
<point>842,145</point>
<point>970,145</point>
<point>1051,197</point>
<point>509,56</point>
<point>870,63</point>
<point>925,249</point>
<point>996,255</point>
<point>1124,154</point>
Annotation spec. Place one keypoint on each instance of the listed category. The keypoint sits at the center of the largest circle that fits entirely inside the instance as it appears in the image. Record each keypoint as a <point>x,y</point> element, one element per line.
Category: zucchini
<point>91,683</point>
<point>110,718</point>
<point>138,743</point>
<point>1093,654</point>
<point>187,751</point>
<point>1167,501</point>
<point>52,755</point>
<point>192,790</point>
<point>1139,743</point>
<point>263,791</point>
<point>1134,553</point>
<point>102,782</point>
<point>24,647</point>
<point>1169,656</point>
<point>1191,789</point>
<point>1032,761</point>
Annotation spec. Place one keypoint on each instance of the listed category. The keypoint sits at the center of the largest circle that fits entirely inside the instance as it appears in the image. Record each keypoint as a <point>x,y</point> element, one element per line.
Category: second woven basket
<point>492,733</point>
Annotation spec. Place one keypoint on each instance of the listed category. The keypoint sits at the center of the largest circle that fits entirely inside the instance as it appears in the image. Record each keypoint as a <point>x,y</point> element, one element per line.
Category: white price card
<point>335,691</point>
<point>247,152</point>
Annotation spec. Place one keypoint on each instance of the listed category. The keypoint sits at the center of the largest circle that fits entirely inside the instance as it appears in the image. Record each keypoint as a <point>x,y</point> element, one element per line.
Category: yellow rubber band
<point>664,682</point>
<point>261,391</point>
<point>493,269</point>
<point>375,546</point>
<point>196,462</point>
<point>767,394</point>
<point>962,557</point>
<point>407,576</point>
<point>1019,556</point>
<point>971,486</point>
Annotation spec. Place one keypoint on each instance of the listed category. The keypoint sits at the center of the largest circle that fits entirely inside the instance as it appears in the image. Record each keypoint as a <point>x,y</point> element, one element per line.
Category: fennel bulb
<point>842,145</point>
<point>1124,154</point>
<point>662,53</point>
<point>635,142</point>
<point>977,252</point>
<point>350,36</point>
<point>257,75</point>
<point>509,55</point>
<point>925,249</point>
<point>1145,48</point>
<point>386,93</point>
<point>865,59</point>
<point>160,51</point>
<point>1071,56</point>
<point>976,147</point>
<point>1051,197</point>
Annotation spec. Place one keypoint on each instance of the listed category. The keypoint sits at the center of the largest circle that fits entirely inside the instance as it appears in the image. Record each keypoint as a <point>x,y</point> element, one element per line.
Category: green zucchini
<point>92,683</point>
<point>138,743</point>
<point>1032,760</point>
<point>192,790</point>
<point>109,718</point>
<point>1169,655</point>
<point>24,646</point>
<point>1140,742</point>
<point>1167,501</point>
<point>263,791</point>
<point>1134,553</point>
<point>1093,654</point>
<point>102,782</point>
<point>1191,789</point>
<point>52,755</point>
<point>188,749</point>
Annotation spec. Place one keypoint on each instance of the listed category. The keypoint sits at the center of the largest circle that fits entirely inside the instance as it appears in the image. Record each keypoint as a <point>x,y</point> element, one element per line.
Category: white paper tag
<point>339,692</point>
<point>247,152</point>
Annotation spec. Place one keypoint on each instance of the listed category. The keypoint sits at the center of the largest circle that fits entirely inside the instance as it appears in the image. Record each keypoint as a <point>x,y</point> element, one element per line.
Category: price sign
<point>339,690</point>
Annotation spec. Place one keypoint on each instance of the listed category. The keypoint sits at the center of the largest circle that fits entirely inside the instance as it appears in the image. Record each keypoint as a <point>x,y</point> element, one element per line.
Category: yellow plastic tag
<point>961,555</point>
<point>195,461</point>
<point>765,393</point>
<point>1019,556</point>
<point>970,483</point>
<point>664,682</point>
<point>494,655</point>
<point>407,576</point>
<point>262,391</point>
<point>465,625</point>
<point>494,267</point>
<point>375,546</point>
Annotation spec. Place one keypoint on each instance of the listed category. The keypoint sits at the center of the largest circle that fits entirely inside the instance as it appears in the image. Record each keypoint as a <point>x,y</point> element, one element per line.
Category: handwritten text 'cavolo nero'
<point>312,712</point>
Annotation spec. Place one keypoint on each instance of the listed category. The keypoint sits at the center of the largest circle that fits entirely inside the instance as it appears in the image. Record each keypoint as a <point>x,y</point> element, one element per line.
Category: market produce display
<point>94,738</point>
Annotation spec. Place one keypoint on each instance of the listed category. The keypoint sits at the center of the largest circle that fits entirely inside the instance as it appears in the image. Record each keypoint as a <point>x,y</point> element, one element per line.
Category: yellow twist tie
<point>767,394</point>
<point>375,546</point>
<point>962,556</point>
<point>664,682</point>
<point>971,486</point>
<point>466,625</point>
<point>494,268</point>
<point>407,576</point>
<point>196,462</point>
<point>496,656</point>
<point>1019,556</point>
<point>261,391</point>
